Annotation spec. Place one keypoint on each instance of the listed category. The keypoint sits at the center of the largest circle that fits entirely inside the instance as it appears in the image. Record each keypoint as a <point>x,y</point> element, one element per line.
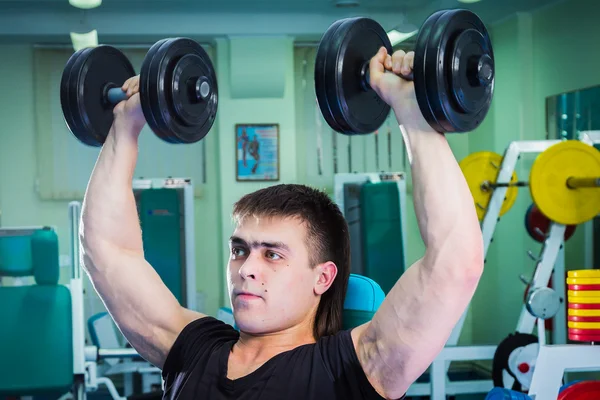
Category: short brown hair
<point>327,239</point>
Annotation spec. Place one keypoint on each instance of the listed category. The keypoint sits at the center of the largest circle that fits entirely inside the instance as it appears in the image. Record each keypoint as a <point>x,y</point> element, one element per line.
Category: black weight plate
<point>420,76</point>
<point>356,108</point>
<point>332,84</point>
<point>500,362</point>
<point>145,93</point>
<point>67,110</point>
<point>179,116</point>
<point>320,61</point>
<point>83,85</point>
<point>443,82</point>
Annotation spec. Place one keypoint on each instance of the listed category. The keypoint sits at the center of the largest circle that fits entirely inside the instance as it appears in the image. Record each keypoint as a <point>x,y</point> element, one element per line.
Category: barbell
<point>178,91</point>
<point>453,73</point>
<point>564,182</point>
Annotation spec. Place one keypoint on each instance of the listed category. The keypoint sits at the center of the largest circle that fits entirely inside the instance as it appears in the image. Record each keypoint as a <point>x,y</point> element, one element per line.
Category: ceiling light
<point>347,3</point>
<point>84,40</point>
<point>469,1</point>
<point>85,4</point>
<point>396,36</point>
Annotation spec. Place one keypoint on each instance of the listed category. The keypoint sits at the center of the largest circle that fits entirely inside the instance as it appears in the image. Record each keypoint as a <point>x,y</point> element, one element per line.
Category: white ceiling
<point>116,20</point>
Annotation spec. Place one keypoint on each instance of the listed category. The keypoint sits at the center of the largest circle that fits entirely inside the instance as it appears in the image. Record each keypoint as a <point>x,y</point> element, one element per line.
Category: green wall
<point>537,54</point>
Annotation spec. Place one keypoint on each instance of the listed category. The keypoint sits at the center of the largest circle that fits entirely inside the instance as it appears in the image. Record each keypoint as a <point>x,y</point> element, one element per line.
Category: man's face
<point>271,283</point>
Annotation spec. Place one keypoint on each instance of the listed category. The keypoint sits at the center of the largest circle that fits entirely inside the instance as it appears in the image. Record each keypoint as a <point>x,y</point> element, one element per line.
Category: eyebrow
<point>236,240</point>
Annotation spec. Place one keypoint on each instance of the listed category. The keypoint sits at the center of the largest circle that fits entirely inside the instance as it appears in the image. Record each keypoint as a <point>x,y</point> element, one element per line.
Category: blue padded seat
<point>363,298</point>
<point>36,340</point>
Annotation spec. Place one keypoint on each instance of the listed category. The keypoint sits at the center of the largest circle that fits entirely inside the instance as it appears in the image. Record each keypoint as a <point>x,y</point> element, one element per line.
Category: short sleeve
<point>341,360</point>
<point>196,340</point>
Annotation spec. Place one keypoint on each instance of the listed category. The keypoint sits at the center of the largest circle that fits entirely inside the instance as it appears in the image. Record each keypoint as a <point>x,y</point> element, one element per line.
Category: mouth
<point>246,296</point>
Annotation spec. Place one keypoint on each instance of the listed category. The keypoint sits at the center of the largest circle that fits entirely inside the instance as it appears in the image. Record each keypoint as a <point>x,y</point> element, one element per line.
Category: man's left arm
<point>416,318</point>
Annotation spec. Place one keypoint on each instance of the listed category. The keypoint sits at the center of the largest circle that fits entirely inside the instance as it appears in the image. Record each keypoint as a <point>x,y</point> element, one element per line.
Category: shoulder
<point>201,336</point>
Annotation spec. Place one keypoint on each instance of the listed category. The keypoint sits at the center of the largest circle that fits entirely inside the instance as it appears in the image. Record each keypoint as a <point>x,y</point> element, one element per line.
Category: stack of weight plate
<point>584,305</point>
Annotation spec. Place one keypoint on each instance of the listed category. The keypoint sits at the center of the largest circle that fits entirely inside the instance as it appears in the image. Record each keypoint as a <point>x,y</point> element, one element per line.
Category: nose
<point>249,269</point>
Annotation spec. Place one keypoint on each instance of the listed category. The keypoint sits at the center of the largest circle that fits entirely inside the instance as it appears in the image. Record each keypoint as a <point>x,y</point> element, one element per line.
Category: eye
<point>238,252</point>
<point>272,255</point>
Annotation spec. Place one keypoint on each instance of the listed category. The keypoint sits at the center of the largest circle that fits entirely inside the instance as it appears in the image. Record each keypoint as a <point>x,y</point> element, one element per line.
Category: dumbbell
<point>178,91</point>
<point>453,73</point>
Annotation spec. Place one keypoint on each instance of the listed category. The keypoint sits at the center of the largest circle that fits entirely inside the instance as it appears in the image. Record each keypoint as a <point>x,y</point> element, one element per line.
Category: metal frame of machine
<point>342,179</point>
<point>551,258</point>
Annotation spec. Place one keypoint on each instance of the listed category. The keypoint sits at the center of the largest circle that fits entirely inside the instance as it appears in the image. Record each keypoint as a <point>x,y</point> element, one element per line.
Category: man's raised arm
<point>112,253</point>
<point>417,317</point>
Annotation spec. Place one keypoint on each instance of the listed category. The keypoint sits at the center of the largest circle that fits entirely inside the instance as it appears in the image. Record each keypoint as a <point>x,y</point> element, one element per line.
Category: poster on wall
<point>257,152</point>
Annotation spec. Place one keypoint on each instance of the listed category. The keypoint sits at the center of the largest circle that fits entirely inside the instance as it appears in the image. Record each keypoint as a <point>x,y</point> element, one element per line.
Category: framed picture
<point>257,152</point>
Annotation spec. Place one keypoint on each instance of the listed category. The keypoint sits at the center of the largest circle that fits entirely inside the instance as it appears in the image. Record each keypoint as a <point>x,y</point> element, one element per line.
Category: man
<point>287,275</point>
<point>253,147</point>
<point>244,139</point>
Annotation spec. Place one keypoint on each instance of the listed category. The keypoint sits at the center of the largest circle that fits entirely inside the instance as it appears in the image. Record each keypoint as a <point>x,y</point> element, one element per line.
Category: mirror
<point>569,113</point>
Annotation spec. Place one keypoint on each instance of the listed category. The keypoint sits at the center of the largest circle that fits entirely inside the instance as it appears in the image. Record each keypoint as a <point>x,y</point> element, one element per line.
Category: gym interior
<point>518,339</point>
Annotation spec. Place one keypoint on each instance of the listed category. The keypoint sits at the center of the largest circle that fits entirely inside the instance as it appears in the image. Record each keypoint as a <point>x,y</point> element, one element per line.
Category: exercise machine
<point>166,210</point>
<point>374,206</point>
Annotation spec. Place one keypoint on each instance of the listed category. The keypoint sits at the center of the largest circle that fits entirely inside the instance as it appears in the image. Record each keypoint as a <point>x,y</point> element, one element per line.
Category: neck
<point>253,347</point>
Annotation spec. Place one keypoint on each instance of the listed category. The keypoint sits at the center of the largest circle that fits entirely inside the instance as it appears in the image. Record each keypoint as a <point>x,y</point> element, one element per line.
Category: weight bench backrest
<point>363,298</point>
<point>36,341</point>
<point>103,334</point>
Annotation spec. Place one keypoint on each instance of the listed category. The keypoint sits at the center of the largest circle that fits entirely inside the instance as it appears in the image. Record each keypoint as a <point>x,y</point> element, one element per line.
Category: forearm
<point>442,200</point>
<point>110,220</point>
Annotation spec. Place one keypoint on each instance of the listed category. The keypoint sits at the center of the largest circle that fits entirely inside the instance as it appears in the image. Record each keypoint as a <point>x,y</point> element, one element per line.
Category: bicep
<point>144,309</point>
<point>412,325</point>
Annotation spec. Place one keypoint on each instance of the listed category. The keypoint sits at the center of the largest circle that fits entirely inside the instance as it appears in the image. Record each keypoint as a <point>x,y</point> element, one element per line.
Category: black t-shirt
<point>196,368</point>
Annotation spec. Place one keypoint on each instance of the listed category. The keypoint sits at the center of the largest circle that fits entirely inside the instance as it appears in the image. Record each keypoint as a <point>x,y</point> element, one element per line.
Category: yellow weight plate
<point>584,313</point>
<point>584,293</point>
<point>586,274</point>
<point>548,182</point>
<point>481,167</point>
<point>583,281</point>
<point>583,300</point>
<point>584,325</point>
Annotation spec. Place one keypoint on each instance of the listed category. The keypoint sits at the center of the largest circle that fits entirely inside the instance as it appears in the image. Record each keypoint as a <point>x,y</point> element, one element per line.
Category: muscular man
<point>253,147</point>
<point>287,275</point>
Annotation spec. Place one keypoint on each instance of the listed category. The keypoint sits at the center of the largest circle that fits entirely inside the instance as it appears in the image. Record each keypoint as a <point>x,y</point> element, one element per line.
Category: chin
<point>254,322</point>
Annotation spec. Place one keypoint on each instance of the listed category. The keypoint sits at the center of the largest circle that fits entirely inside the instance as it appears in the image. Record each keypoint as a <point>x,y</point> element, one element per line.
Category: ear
<point>326,275</point>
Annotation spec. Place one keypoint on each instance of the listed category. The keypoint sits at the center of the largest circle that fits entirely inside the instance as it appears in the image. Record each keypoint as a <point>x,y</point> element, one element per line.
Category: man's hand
<point>386,80</point>
<point>128,116</point>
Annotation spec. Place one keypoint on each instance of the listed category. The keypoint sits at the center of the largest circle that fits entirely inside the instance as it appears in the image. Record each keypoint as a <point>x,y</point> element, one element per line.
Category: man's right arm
<point>143,308</point>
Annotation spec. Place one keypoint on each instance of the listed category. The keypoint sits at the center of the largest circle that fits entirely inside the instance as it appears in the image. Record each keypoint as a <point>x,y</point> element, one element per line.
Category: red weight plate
<point>583,287</point>
<point>578,331</point>
<point>584,338</point>
<point>587,390</point>
<point>537,225</point>
<point>583,306</point>
<point>575,318</point>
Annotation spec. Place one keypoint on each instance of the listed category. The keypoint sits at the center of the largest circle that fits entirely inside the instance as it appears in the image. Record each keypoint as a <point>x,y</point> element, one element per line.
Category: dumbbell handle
<point>200,89</point>
<point>116,95</point>
<point>366,78</point>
